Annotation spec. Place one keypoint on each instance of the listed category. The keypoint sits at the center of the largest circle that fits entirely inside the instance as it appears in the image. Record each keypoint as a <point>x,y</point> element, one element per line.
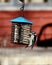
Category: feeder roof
<point>21,20</point>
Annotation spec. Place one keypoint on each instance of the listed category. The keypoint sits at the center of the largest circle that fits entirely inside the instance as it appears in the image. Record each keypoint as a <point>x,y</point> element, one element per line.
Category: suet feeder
<point>21,27</point>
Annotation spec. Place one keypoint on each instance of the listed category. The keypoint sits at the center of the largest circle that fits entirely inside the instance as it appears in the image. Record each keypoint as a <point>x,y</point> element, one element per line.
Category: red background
<point>39,19</point>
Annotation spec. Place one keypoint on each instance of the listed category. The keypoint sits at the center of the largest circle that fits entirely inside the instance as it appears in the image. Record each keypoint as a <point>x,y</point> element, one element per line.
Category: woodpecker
<point>32,39</point>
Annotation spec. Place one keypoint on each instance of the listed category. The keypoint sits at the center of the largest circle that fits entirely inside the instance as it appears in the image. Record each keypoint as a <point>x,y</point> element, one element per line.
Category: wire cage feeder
<point>21,28</point>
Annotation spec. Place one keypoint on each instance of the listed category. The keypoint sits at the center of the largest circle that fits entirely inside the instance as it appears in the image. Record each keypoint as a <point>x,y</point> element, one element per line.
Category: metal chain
<point>22,9</point>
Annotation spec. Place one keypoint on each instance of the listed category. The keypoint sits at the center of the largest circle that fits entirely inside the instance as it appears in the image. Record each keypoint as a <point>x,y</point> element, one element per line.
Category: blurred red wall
<point>39,19</point>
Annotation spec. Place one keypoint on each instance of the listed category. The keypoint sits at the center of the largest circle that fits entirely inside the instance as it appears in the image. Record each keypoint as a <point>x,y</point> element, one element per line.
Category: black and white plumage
<point>32,39</point>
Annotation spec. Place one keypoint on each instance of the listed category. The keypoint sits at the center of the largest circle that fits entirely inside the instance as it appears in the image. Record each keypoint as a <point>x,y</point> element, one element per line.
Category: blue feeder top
<point>21,20</point>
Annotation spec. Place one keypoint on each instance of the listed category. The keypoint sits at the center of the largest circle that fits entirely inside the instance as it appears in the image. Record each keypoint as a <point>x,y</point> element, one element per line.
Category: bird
<point>32,39</point>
